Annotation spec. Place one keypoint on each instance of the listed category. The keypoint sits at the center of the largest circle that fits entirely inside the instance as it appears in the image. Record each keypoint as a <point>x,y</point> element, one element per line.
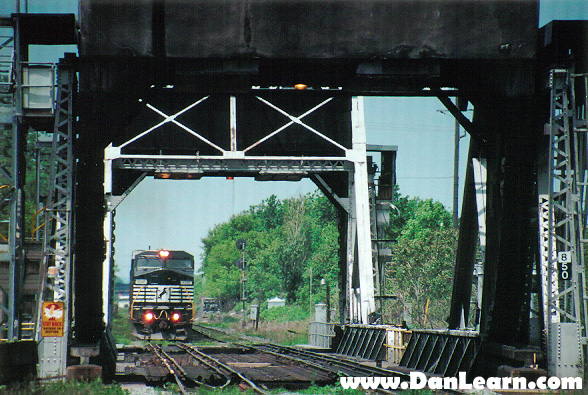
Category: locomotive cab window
<point>148,263</point>
<point>179,264</point>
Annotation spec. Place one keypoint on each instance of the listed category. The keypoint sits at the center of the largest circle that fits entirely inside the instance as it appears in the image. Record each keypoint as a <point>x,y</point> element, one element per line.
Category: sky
<point>177,214</point>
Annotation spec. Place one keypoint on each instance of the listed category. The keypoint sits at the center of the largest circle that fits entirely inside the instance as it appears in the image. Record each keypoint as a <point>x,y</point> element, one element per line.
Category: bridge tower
<point>562,216</point>
<point>28,110</point>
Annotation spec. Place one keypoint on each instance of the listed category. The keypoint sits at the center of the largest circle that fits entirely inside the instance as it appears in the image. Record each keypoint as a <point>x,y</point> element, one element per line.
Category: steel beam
<point>220,166</point>
<point>466,250</point>
<point>58,239</point>
<point>17,178</point>
<point>112,203</point>
<point>480,181</point>
<point>362,211</point>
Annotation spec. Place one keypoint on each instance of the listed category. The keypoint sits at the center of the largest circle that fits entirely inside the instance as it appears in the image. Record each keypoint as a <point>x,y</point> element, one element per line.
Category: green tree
<point>283,240</point>
<point>421,271</point>
<point>324,239</point>
<point>295,251</point>
<point>269,212</point>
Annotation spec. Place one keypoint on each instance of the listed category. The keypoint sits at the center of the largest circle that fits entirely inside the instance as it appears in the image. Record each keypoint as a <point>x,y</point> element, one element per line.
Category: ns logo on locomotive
<point>162,293</point>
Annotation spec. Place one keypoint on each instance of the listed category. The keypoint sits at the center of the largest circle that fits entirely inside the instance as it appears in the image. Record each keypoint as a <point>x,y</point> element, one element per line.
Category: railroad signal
<point>241,244</point>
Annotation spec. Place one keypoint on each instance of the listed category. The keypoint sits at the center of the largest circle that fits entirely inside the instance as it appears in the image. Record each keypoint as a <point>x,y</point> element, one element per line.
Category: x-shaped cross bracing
<point>293,120</point>
<point>172,118</point>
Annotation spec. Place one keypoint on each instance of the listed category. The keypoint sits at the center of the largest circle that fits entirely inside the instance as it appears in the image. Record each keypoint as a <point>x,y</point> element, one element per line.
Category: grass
<point>98,388</point>
<point>122,329</point>
<point>286,325</point>
<point>68,387</point>
<point>286,333</point>
<point>226,321</point>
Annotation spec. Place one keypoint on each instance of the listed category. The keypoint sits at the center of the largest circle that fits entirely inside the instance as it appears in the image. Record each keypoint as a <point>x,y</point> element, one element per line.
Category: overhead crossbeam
<point>225,165</point>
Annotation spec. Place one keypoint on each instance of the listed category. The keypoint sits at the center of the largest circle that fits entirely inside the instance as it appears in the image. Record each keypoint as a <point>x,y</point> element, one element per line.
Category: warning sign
<point>52,319</point>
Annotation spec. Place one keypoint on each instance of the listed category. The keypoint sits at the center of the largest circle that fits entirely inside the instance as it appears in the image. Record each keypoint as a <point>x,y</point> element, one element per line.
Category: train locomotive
<point>162,293</point>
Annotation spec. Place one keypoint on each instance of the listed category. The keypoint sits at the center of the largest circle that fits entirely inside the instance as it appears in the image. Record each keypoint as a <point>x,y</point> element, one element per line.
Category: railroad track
<point>329,362</point>
<point>173,367</point>
<point>207,330</point>
<point>222,375</point>
<point>218,366</point>
<point>322,361</point>
<point>334,364</point>
<point>258,366</point>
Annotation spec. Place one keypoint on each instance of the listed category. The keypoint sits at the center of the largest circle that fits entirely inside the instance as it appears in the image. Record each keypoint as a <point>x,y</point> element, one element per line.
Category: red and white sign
<point>52,319</point>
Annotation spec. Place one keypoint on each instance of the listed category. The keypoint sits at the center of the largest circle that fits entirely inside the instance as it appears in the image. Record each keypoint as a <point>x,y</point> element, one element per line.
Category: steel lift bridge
<point>175,89</point>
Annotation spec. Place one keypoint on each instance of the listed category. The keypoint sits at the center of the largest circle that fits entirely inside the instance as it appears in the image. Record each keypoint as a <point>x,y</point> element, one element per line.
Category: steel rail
<point>329,361</point>
<point>166,359</point>
<point>228,368</point>
<point>329,364</point>
<point>357,369</point>
<point>289,357</point>
<point>344,367</point>
<point>279,350</point>
<point>188,349</point>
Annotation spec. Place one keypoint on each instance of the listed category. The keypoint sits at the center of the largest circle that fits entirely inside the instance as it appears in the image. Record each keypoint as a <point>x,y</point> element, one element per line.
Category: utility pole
<point>310,293</point>
<point>456,176</point>
<point>241,246</point>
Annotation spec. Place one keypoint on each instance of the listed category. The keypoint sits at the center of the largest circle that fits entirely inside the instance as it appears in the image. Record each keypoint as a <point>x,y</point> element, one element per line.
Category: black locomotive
<point>162,293</point>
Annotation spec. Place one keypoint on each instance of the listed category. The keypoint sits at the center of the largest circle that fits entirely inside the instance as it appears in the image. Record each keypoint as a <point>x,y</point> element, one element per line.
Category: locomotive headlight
<point>141,281</point>
<point>148,317</point>
<point>185,282</point>
<point>175,317</point>
<point>164,254</point>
